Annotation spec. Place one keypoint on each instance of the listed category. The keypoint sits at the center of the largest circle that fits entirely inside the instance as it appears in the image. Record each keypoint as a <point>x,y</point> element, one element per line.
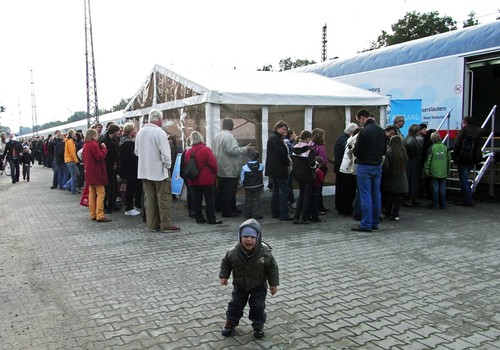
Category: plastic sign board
<point>177,181</point>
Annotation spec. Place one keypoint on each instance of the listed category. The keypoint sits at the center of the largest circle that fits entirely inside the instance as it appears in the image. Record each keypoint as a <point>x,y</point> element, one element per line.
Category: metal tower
<point>92,106</point>
<point>33,108</point>
<point>323,46</point>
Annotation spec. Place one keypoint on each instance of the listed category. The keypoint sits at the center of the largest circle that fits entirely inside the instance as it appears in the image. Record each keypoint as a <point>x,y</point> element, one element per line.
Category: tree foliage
<point>471,21</point>
<point>288,63</point>
<point>266,68</point>
<point>77,116</point>
<point>80,115</point>
<point>121,105</point>
<point>415,25</point>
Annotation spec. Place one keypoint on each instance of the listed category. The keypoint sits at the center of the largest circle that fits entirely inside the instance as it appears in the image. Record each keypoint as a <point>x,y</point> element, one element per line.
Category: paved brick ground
<point>430,281</point>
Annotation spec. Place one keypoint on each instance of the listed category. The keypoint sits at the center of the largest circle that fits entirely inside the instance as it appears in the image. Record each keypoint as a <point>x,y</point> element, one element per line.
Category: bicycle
<point>6,169</point>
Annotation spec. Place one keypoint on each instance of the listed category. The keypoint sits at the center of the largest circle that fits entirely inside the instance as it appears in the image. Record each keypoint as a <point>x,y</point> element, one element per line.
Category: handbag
<point>191,170</point>
<point>85,197</point>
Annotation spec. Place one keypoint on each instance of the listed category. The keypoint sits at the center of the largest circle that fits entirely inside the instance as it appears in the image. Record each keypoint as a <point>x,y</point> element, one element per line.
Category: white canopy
<point>246,88</point>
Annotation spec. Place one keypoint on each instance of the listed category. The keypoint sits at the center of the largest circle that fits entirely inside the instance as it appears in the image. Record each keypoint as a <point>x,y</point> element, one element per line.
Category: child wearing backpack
<point>437,167</point>
<point>251,179</point>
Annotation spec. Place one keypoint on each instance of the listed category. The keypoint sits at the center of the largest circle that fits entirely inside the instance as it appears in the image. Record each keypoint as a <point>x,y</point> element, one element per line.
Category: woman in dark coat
<point>96,176</point>
<point>414,165</point>
<point>395,180</point>
<point>204,185</point>
<point>128,170</point>
<point>277,168</point>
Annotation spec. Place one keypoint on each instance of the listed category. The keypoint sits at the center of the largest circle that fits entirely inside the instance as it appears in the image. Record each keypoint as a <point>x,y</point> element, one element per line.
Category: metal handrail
<point>447,118</point>
<point>492,134</point>
<point>490,156</point>
<point>489,159</point>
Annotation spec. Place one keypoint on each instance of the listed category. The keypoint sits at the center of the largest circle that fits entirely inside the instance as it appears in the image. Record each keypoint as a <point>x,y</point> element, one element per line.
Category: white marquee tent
<point>256,100</point>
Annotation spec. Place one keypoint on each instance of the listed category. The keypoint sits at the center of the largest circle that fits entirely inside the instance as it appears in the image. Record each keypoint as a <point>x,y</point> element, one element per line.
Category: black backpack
<point>467,149</point>
<point>191,170</point>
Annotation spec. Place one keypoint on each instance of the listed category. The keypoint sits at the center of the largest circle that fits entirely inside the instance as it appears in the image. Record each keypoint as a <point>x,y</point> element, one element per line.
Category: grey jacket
<point>228,154</point>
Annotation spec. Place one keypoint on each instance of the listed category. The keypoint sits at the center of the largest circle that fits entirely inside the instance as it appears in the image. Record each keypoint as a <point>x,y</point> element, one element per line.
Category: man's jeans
<point>14,169</point>
<point>74,173</point>
<point>368,178</point>
<point>62,175</point>
<point>463,177</point>
<point>279,197</point>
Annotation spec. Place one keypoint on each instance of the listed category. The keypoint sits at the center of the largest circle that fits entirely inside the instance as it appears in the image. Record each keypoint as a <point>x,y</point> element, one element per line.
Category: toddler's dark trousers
<point>256,299</point>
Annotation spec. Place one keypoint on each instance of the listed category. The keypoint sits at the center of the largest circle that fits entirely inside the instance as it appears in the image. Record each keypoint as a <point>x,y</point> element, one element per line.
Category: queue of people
<point>377,170</point>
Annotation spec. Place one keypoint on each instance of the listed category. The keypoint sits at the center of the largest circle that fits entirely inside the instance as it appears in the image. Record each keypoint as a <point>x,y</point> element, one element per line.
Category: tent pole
<point>383,116</point>
<point>212,118</point>
<point>264,132</point>
<point>308,116</point>
<point>347,116</point>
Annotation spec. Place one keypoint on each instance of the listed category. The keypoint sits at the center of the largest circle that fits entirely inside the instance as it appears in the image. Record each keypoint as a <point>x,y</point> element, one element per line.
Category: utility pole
<point>92,105</point>
<point>323,45</point>
<point>33,108</point>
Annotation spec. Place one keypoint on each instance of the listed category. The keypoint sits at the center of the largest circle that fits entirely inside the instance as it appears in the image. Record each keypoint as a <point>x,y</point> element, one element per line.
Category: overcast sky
<point>130,37</point>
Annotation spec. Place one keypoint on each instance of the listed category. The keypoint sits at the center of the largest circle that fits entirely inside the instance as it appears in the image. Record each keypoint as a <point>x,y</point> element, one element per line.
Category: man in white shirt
<point>153,150</point>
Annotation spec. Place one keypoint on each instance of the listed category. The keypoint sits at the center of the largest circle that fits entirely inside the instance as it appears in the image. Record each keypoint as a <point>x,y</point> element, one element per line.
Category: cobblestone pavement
<point>430,281</point>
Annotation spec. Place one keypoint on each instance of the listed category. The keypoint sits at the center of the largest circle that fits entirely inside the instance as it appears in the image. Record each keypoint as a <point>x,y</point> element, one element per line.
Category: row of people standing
<point>232,169</point>
<point>143,158</point>
<point>110,163</point>
<point>220,171</point>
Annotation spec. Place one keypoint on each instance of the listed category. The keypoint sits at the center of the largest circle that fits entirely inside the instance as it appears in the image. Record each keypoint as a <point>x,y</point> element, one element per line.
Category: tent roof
<point>259,88</point>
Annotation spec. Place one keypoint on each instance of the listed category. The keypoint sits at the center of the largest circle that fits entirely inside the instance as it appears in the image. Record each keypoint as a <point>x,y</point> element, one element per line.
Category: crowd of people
<point>376,170</point>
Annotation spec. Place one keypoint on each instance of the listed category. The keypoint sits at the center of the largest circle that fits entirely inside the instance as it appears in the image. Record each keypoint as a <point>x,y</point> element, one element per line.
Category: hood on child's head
<point>249,226</point>
<point>252,228</point>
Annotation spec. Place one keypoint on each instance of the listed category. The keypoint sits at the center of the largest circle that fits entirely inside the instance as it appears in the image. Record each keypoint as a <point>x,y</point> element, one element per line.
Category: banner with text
<point>410,109</point>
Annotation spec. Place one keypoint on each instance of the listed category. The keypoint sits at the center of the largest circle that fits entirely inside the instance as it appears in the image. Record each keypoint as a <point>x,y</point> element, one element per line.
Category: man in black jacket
<point>277,163</point>
<point>465,163</point>
<point>12,154</point>
<point>369,151</point>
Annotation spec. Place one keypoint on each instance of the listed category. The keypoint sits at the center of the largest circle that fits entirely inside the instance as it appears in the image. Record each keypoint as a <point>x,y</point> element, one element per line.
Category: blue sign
<point>410,109</point>
<point>177,181</point>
